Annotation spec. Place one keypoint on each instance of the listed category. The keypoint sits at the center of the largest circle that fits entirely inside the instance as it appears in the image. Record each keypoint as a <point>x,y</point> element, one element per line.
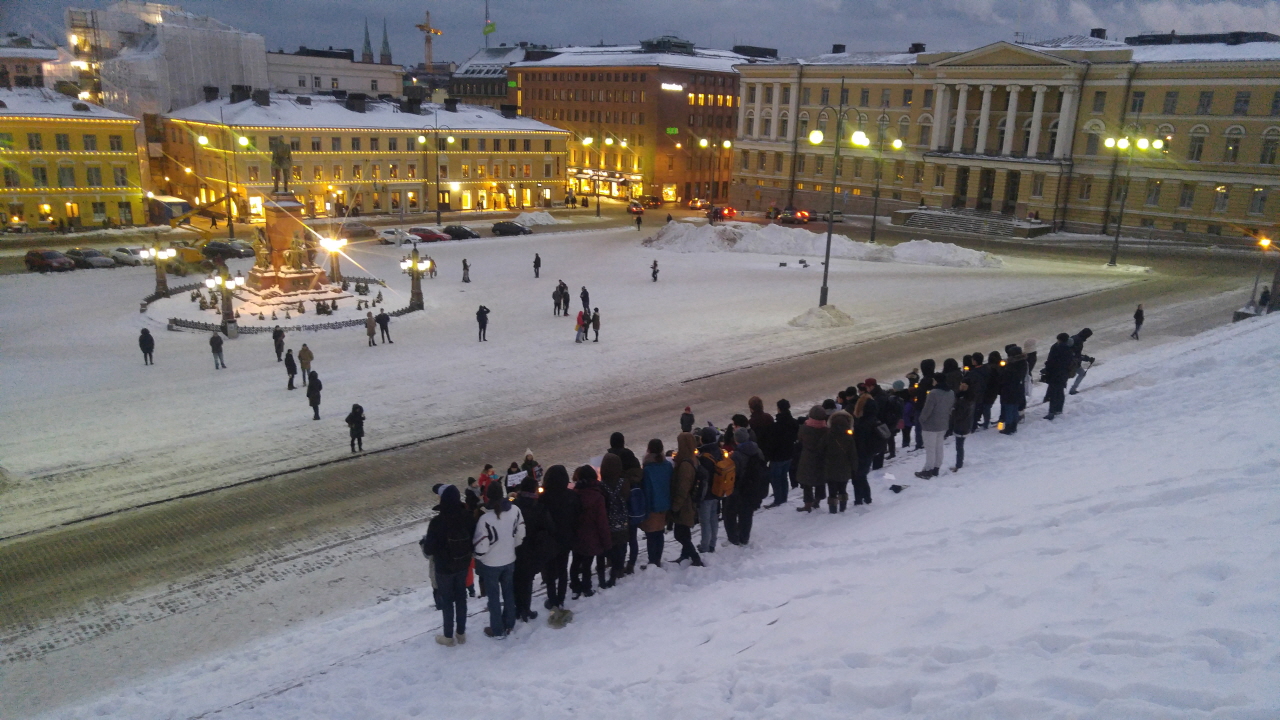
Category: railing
<point>251,330</point>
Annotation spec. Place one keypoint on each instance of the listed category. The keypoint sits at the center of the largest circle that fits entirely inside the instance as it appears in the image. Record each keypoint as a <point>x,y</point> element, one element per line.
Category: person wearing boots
<point>355,423</point>
<point>839,460</point>
<point>809,468</point>
<point>935,416</point>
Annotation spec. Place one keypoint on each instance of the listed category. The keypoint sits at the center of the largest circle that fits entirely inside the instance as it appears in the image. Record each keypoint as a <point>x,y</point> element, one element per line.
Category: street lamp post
<point>1126,145</point>
<point>422,139</point>
<point>227,285</point>
<point>158,256</point>
<point>415,266</point>
<point>334,247</point>
<point>595,180</point>
<point>861,140</point>
<point>1263,243</point>
<point>816,138</point>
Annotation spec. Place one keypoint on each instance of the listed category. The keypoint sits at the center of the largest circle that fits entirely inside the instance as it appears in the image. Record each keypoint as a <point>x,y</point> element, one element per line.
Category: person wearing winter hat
<point>708,505</point>
<point>147,344</point>
<point>1077,348</point>
<point>448,545</point>
<point>684,511</point>
<point>1057,370</point>
<point>783,444</point>
<point>686,420</point>
<point>935,416</point>
<point>749,487</point>
<point>498,533</point>
<point>839,459</point>
<point>564,507</point>
<point>631,476</point>
<point>809,469</point>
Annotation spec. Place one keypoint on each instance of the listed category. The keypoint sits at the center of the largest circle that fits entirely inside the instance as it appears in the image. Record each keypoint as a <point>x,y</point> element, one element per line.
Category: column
<point>793,111</point>
<point>759,106</point>
<point>1011,121</point>
<point>1066,123</point>
<point>961,102</point>
<point>984,119</point>
<point>777,121</point>
<point>1037,117</point>
<point>941,108</point>
<point>742,109</point>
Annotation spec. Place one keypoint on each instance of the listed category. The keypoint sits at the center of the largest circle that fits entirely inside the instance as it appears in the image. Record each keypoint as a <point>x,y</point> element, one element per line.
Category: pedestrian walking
<point>556,299</point>
<point>277,337</point>
<point>537,264</point>
<point>1057,370</point>
<point>384,323</point>
<point>935,417</point>
<point>215,344</point>
<point>657,494</point>
<point>290,367</point>
<point>313,394</point>
<point>147,344</point>
<point>448,545</point>
<point>499,532</point>
<point>305,356</point>
<point>466,271</point>
<point>355,423</point>
<point>482,319</point>
<point>668,217</point>
<point>638,219</point>
<point>586,299</point>
<point>370,328</point>
<point>654,270</point>
<point>1139,316</point>
<point>1077,348</point>
<point>595,324</point>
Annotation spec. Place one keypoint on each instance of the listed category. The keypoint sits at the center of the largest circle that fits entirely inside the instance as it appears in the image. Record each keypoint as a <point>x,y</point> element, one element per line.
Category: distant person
<point>482,319</point>
<point>580,327</point>
<point>654,270</point>
<point>355,423</point>
<point>1077,347</point>
<point>638,222</point>
<point>215,344</point>
<point>466,271</point>
<point>305,356</point>
<point>147,344</point>
<point>595,324</point>
<point>668,217</point>
<point>384,322</point>
<point>277,338</point>
<point>586,299</point>
<point>370,328</point>
<point>313,394</point>
<point>557,299</point>
<point>537,264</point>
<point>687,420</point>
<point>1139,317</point>
<point>290,367</point>
<point>1264,300</point>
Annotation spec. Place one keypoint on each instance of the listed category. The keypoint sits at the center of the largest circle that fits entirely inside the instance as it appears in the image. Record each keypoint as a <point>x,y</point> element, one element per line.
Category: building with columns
<point>1020,130</point>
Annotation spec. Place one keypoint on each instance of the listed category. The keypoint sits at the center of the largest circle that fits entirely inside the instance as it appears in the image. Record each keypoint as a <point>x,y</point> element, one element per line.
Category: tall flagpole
<point>486,22</point>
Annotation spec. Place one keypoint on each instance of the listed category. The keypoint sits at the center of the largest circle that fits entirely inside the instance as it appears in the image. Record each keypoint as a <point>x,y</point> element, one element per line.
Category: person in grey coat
<point>934,419</point>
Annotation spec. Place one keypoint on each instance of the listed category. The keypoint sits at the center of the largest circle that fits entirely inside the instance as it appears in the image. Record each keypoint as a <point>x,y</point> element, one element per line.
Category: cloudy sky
<point>795,27</point>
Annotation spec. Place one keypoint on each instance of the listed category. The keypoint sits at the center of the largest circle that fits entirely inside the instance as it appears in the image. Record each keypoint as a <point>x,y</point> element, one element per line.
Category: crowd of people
<point>580,529</point>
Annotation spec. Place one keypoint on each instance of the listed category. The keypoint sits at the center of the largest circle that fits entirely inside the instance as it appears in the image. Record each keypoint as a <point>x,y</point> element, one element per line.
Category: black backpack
<point>753,484</point>
<point>457,550</point>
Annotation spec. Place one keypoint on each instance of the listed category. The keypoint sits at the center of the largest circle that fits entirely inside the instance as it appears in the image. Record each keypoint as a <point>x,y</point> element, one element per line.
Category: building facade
<point>67,161</point>
<point>22,61</point>
<point>482,79</point>
<point>653,120</point>
<point>360,156</point>
<point>1021,129</point>
<point>315,71</point>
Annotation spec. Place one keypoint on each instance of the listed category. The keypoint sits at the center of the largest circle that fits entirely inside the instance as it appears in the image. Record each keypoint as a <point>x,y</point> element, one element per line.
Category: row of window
<point>701,99</point>
<point>39,177</point>
<point>478,88</point>
<point>375,144</point>
<point>585,77</point>
<point>333,83</point>
<point>62,142</point>
<point>1258,194</point>
<point>1204,105</point>
<point>907,96</point>
<point>594,96</point>
<point>44,211</point>
<point>375,172</point>
<point>610,117</point>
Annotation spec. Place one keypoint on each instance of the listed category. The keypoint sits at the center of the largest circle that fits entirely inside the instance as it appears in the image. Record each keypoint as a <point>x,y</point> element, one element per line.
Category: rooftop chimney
<point>837,49</point>
<point>451,104</point>
<point>509,111</point>
<point>303,100</point>
<point>240,93</point>
<point>916,48</point>
<point>262,97</point>
<point>355,102</point>
<point>1100,33</point>
<point>211,93</point>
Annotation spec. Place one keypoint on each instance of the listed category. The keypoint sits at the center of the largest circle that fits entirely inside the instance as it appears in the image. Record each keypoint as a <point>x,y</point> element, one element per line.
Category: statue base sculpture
<point>285,249</point>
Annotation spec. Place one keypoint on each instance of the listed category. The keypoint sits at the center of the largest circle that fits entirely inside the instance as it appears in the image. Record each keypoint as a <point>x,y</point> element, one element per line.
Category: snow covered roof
<point>1221,52</point>
<point>1075,42</point>
<point>21,52</point>
<point>861,58</point>
<point>490,62</point>
<point>39,102</point>
<point>325,111</point>
<point>631,56</point>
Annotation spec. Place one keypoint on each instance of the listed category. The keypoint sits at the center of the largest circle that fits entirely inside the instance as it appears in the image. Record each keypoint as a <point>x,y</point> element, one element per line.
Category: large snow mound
<point>826,316</point>
<point>541,217</point>
<point>798,242</point>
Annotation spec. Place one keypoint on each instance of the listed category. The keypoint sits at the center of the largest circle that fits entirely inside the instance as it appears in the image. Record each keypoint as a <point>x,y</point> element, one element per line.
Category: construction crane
<point>429,32</point>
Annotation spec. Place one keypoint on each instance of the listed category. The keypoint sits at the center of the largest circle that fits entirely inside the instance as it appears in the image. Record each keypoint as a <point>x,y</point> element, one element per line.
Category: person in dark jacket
<point>482,319</point>
<point>215,344</point>
<point>866,437</point>
<point>384,324</point>
<point>687,420</point>
<point>448,544</point>
<point>782,448</point>
<point>1139,317</point>
<point>593,538</point>
<point>355,423</point>
<point>809,468</point>
<point>840,460</point>
<point>586,299</point>
<point>277,338</point>
<point>147,344</point>
<point>314,386</point>
<point>1077,348</point>
<point>656,481</point>
<point>952,370</point>
<point>962,417</point>
<point>751,477</point>
<point>563,506</point>
<point>994,365</point>
<point>1057,370</point>
<point>632,475</point>
<point>290,367</point>
<point>537,264</point>
<point>616,490</point>
<point>538,548</point>
<point>977,377</point>
<point>684,511</point>
<point>889,413</point>
<point>1013,388</point>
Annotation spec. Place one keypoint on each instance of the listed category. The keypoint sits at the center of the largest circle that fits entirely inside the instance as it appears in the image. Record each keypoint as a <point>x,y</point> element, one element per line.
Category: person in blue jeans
<point>498,533</point>
<point>782,445</point>
<point>709,505</point>
<point>448,544</point>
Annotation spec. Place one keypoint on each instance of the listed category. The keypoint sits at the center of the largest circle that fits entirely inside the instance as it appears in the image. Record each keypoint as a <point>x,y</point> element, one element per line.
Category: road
<point>304,544</point>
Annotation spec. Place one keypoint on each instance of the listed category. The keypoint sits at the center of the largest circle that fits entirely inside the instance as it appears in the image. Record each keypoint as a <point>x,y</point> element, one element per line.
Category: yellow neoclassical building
<point>67,162</point>
<point>1021,130</point>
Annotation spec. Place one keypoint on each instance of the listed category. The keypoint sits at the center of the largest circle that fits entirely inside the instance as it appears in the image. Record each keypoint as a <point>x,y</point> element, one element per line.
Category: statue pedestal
<point>289,245</point>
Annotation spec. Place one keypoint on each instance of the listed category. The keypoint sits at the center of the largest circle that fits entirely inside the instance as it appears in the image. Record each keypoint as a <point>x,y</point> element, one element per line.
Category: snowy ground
<point>1119,562</point>
<point>89,429</point>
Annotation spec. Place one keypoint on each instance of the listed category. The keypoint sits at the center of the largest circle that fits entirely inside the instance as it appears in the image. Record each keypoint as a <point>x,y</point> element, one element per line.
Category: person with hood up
<point>290,367</point>
<point>313,394</point>
<point>466,271</point>
<point>616,492</point>
<point>709,452</point>
<point>563,506</point>
<point>305,356</point>
<point>355,423</point>
<point>840,457</point>
<point>1057,370</point>
<point>934,419</point>
<point>448,543</point>
<point>684,511</point>
<point>580,327</point>
<point>653,269</point>
<point>593,538</point>
<point>686,420</point>
<point>783,444</point>
<point>147,344</point>
<point>537,265</point>
<point>277,338</point>
<point>1077,348</point>
<point>536,551</point>
<point>595,326</point>
<point>1013,388</point>
<point>976,378</point>
<point>632,475</point>
<point>867,440</point>
<point>657,494</point>
<point>962,415</point>
<point>994,367</point>
<point>809,469</point>
<point>370,328</point>
<point>750,486</point>
<point>499,532</point>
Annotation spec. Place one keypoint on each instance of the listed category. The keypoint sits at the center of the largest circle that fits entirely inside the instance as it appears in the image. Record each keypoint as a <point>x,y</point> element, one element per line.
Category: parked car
<point>460,232</point>
<point>90,258</point>
<point>507,227</point>
<point>426,234</point>
<point>127,256</point>
<point>244,248</point>
<point>835,216</point>
<point>46,260</point>
<point>219,249</point>
<point>793,217</point>
<point>394,236</point>
<point>653,202</point>
<point>698,204</point>
<point>635,208</point>
<point>722,213</point>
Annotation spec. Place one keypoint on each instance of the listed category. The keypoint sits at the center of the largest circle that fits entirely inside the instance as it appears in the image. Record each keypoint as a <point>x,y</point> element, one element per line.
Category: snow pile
<point>826,316</point>
<point>540,217</point>
<point>797,242</point>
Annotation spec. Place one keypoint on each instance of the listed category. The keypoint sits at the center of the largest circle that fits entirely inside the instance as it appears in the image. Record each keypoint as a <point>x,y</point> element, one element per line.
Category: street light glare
<point>816,137</point>
<point>1157,143</point>
<point>449,139</point>
<point>422,139</point>
<point>860,139</point>
<point>1143,143</point>
<point>727,144</point>
<point>588,140</point>
<point>608,141</point>
<point>202,140</point>
<point>1123,143</point>
<point>897,144</point>
<point>244,141</point>
<point>1110,142</point>
<point>703,142</point>
<point>1264,242</point>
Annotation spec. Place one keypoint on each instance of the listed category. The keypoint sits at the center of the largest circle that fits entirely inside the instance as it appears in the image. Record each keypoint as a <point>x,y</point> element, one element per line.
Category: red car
<point>722,213</point>
<point>635,208</point>
<point>798,217</point>
<point>46,260</point>
<point>426,234</point>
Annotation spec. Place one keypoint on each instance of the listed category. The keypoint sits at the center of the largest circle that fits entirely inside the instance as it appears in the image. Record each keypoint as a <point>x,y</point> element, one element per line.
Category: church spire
<point>366,55</point>
<point>384,57</point>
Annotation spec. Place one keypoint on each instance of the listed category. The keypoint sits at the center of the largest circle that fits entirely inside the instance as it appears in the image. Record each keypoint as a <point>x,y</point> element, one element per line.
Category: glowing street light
<point>158,255</point>
<point>1124,144</point>
<point>243,141</point>
<point>416,267</point>
<point>727,144</point>
<point>1263,243</point>
<point>334,247</point>
<point>202,140</point>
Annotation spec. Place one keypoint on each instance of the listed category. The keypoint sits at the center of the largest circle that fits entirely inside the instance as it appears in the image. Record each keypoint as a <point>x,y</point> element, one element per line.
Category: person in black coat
<point>314,386</point>
<point>147,344</point>
<point>537,264</point>
<point>1013,388</point>
<point>1057,370</point>
<point>448,544</point>
<point>290,367</point>
<point>1077,348</point>
<point>538,548</point>
<point>962,415</point>
<point>277,338</point>
<point>482,319</point>
<point>563,506</point>
<point>1139,317</point>
<point>384,324</point>
<point>782,449</point>
<point>994,363</point>
<point>586,299</point>
<point>355,423</point>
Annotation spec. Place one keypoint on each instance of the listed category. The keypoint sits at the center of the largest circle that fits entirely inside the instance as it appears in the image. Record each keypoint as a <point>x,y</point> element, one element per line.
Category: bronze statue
<point>281,160</point>
<point>261,250</point>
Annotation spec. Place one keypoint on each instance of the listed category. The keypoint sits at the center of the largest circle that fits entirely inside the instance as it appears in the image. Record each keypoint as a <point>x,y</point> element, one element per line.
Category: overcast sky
<point>795,27</point>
